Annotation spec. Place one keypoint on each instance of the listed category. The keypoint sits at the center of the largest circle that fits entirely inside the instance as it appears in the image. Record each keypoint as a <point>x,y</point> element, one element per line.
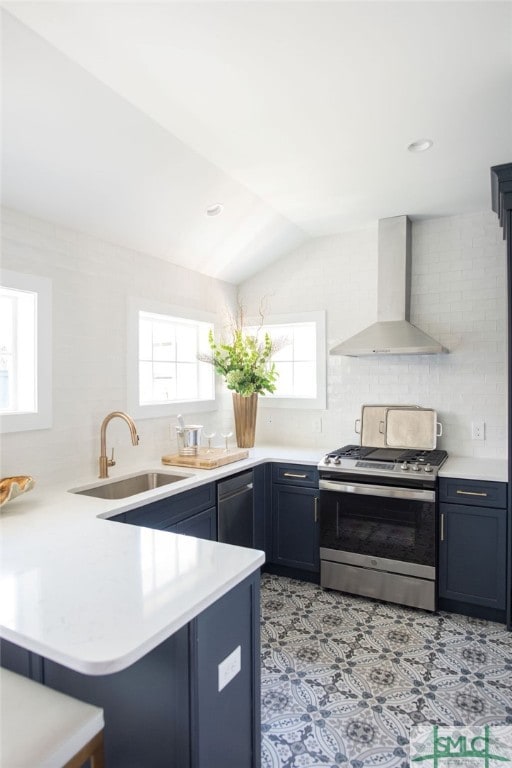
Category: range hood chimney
<point>392,334</point>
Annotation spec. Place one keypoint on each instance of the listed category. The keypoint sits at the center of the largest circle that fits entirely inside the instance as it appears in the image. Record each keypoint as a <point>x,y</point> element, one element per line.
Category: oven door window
<point>398,529</point>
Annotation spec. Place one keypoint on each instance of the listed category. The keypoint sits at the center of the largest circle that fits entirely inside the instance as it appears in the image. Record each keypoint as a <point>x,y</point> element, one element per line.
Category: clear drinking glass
<point>209,436</point>
<point>226,436</point>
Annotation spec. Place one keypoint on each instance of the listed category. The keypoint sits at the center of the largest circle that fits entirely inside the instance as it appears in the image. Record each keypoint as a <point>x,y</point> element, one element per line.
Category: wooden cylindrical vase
<point>245,409</point>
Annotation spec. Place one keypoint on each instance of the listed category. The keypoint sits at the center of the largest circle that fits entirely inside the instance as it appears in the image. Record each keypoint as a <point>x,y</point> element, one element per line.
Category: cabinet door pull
<point>442,526</point>
<point>471,493</point>
<point>316,509</point>
<point>292,474</point>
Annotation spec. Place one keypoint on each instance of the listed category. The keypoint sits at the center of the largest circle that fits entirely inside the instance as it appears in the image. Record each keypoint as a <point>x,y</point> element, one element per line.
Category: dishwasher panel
<point>235,513</point>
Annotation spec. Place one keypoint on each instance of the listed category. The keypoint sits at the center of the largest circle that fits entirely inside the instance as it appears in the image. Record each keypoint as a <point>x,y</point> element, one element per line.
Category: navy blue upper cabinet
<point>472,551</point>
<point>295,516</point>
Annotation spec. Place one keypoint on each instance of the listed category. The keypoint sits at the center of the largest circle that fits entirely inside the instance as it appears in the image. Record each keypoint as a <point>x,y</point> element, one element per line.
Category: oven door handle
<point>386,491</point>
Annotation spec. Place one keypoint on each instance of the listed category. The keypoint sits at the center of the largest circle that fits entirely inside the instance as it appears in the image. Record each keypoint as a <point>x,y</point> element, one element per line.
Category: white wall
<point>458,296</point>
<point>91,283</point>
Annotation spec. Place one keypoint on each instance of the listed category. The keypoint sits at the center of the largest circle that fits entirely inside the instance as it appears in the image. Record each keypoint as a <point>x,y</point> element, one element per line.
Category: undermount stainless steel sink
<point>129,486</point>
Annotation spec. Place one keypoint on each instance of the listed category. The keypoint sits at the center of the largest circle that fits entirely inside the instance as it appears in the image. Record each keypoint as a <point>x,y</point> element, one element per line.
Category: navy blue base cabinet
<point>192,513</point>
<point>165,711</point>
<point>262,501</point>
<point>295,521</point>
<point>472,547</point>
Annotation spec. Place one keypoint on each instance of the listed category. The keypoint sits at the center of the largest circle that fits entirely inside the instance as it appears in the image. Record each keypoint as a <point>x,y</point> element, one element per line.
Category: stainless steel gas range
<point>378,523</point>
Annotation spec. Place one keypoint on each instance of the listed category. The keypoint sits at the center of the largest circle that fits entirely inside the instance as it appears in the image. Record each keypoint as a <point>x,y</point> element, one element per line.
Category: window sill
<point>160,410</point>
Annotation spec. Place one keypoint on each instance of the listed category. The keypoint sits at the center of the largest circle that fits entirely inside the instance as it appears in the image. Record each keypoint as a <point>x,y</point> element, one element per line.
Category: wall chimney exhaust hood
<point>392,334</point>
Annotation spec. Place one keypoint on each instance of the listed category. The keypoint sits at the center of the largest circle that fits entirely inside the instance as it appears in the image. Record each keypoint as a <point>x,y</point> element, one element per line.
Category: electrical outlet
<point>230,667</point>
<point>317,424</point>
<point>478,430</point>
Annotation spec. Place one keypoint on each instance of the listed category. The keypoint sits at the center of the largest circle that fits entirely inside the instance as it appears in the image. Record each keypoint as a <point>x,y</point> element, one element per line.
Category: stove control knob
<point>415,468</point>
<point>327,460</point>
<point>404,466</point>
<point>337,460</point>
<point>428,468</point>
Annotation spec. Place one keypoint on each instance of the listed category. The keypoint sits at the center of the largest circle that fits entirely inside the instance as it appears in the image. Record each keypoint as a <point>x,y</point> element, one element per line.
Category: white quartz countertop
<point>96,595</point>
<point>495,470</point>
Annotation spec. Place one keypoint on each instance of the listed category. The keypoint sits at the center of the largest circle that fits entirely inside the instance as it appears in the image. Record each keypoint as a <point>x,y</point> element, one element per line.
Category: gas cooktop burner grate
<point>434,457</point>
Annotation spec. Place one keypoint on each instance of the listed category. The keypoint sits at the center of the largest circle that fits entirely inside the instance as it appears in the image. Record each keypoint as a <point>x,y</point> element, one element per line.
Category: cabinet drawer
<point>479,493</point>
<point>161,513</point>
<point>295,474</point>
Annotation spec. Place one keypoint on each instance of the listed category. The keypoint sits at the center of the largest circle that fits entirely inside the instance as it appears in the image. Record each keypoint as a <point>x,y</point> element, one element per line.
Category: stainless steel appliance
<point>378,523</point>
<point>393,333</point>
<point>235,510</point>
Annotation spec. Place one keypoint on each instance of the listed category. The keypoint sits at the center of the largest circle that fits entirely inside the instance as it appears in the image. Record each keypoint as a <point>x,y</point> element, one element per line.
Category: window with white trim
<point>25,352</point>
<point>164,344</point>
<point>299,359</point>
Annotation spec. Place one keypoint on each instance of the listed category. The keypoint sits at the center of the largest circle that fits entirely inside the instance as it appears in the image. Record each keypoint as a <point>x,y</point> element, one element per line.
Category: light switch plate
<point>230,667</point>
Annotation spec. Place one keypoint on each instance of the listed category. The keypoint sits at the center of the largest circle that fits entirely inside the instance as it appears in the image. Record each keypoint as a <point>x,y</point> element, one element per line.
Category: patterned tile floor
<point>344,678</point>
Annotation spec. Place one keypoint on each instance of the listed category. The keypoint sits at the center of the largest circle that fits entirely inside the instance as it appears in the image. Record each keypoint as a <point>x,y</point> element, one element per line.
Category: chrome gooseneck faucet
<point>105,462</point>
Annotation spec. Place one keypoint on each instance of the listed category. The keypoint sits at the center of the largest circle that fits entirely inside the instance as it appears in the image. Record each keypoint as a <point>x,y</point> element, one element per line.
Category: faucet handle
<point>111,462</point>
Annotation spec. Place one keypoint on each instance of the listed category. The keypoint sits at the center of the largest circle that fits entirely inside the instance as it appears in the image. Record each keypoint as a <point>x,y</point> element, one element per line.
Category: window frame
<point>42,418</point>
<point>314,403</point>
<point>157,410</point>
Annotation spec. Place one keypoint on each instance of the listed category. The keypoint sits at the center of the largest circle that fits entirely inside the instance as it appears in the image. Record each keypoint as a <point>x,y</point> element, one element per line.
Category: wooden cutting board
<point>207,458</point>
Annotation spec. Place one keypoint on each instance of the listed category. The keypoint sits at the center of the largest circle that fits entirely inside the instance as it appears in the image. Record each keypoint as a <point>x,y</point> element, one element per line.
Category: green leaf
<point>245,363</point>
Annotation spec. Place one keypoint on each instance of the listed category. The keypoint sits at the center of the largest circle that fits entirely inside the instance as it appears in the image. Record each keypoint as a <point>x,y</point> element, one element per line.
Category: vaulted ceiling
<point>127,120</point>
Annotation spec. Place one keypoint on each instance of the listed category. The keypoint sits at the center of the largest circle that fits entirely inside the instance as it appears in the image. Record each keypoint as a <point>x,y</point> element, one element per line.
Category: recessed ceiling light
<point>420,146</point>
<point>214,210</point>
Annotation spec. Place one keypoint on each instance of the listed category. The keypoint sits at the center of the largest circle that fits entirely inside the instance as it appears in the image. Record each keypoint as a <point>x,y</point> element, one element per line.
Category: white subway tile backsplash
<point>458,296</point>
<point>91,283</point>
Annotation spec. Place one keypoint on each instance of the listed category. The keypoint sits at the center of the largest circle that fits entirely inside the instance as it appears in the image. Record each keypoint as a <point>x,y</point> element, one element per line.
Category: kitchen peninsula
<point>137,621</point>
